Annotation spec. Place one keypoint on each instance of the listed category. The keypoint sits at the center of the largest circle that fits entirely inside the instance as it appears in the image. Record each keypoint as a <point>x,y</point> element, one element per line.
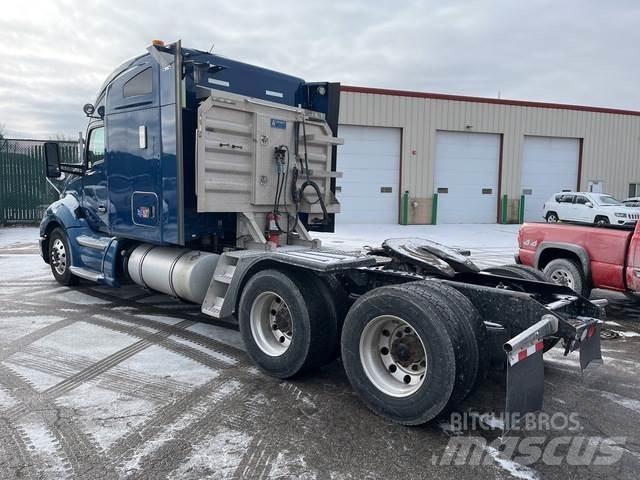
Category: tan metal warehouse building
<point>475,160</point>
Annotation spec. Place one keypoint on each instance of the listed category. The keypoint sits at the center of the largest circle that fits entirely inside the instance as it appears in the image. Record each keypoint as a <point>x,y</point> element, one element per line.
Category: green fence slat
<point>24,190</point>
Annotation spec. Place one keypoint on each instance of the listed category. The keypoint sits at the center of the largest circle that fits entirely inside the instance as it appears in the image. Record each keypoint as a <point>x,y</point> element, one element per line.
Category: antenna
<point>212,45</point>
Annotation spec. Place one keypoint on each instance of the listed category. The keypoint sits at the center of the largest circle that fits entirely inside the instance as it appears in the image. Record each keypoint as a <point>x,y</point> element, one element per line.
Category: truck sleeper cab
<point>201,178</point>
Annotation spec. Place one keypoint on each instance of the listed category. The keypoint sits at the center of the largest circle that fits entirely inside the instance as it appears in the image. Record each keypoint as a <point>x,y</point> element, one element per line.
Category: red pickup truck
<point>583,257</point>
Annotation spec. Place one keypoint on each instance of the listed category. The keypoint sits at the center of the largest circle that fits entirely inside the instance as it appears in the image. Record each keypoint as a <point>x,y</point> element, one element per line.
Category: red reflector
<point>592,331</point>
<point>522,355</point>
<point>539,346</point>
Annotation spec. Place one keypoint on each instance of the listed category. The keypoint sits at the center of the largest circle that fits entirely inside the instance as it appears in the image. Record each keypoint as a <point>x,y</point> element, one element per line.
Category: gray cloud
<point>57,53</point>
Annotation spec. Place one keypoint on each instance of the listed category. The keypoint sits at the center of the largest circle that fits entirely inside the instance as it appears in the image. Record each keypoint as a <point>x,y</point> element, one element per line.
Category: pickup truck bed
<point>606,258</point>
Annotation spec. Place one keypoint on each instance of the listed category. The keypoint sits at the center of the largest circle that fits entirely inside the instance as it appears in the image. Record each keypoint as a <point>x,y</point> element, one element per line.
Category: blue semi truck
<point>203,178</point>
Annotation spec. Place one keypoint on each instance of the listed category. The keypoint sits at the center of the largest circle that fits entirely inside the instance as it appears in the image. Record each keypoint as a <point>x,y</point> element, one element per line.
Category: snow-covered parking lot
<point>124,383</point>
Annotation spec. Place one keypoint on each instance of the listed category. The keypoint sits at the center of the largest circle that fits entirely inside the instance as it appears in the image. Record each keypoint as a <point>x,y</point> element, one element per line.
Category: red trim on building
<point>495,101</point>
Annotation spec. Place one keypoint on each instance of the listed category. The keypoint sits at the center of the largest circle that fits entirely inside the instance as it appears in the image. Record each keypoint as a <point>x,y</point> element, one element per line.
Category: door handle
<point>102,209</point>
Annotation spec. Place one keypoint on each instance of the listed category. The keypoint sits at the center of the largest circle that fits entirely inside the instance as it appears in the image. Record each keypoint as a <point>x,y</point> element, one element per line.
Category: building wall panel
<point>611,139</point>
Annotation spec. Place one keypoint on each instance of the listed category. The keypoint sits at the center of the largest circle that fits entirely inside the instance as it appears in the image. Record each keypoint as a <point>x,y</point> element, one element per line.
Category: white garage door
<point>466,178</point>
<point>549,165</point>
<point>370,164</point>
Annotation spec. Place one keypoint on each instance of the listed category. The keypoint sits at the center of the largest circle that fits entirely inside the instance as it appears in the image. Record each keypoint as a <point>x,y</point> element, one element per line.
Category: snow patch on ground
<point>217,456</point>
<point>6,400</point>
<point>488,419</point>
<point>45,448</point>
<point>286,465</point>
<point>161,319</point>
<point>23,267</point>
<point>162,363</point>
<point>13,328</point>
<point>221,334</point>
<point>19,236</point>
<point>625,402</point>
<point>86,340</point>
<point>514,469</point>
<point>217,355</point>
<point>39,380</point>
<point>79,298</point>
<point>105,414</point>
<point>467,235</point>
<point>170,430</point>
<point>626,334</point>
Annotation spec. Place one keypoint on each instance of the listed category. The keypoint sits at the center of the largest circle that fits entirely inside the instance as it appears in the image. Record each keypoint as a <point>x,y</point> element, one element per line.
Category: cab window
<point>566,199</point>
<point>580,200</point>
<point>141,84</point>
<point>95,148</point>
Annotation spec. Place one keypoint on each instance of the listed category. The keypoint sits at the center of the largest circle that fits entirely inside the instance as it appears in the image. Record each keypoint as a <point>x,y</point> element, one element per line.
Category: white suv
<point>596,208</point>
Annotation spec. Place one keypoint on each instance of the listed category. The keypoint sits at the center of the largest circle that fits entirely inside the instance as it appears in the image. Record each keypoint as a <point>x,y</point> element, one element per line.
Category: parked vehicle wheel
<point>405,354</point>
<point>60,259</point>
<point>552,217</point>
<point>601,221</point>
<point>567,272</point>
<point>525,272</point>
<point>284,323</point>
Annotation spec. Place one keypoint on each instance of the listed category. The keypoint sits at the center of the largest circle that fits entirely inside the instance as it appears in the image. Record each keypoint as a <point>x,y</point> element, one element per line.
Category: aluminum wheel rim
<point>271,324</point>
<point>393,356</point>
<point>552,218</point>
<point>562,276</point>
<point>59,256</point>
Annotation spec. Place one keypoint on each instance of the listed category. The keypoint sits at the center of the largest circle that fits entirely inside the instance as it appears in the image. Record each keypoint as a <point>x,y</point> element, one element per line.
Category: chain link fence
<point>25,192</point>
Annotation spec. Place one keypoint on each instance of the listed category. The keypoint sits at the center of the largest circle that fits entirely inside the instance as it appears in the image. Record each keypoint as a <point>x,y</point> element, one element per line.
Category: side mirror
<point>52,159</point>
<point>589,204</point>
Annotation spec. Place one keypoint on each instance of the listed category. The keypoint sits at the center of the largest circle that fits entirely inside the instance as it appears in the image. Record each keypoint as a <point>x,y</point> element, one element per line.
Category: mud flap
<point>590,345</point>
<point>525,381</point>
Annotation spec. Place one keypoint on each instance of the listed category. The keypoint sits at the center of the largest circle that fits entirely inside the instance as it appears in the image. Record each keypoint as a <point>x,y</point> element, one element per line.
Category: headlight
<point>621,215</point>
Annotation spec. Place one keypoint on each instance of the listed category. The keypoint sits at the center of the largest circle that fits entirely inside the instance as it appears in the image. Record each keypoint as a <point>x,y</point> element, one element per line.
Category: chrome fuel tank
<point>178,272</point>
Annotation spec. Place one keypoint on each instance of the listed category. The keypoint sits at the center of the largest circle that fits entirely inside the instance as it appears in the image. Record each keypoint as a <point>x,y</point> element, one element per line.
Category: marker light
<point>157,43</point>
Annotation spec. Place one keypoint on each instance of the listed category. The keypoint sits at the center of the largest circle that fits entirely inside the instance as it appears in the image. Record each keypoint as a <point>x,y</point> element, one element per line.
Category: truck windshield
<point>607,200</point>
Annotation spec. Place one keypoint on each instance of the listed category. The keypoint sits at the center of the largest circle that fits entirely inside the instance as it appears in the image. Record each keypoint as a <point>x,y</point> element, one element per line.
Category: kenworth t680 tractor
<point>204,178</point>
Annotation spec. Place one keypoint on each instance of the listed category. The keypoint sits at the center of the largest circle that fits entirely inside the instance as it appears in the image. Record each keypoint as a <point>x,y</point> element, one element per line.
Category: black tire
<point>552,217</point>
<point>313,325</point>
<point>473,328</point>
<point>572,271</point>
<point>446,377</point>
<point>523,272</point>
<point>601,221</point>
<point>60,259</point>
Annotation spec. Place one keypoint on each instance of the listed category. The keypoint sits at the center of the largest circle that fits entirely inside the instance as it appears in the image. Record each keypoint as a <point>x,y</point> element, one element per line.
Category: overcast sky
<point>56,53</point>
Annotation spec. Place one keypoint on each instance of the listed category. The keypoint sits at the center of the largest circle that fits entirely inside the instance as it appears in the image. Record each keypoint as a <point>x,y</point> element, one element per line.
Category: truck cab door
<point>133,154</point>
<point>95,196</point>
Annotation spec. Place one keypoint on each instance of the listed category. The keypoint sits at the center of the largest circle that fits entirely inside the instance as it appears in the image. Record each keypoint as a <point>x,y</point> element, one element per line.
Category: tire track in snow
<point>80,451</point>
<point>15,459</point>
<point>118,379</point>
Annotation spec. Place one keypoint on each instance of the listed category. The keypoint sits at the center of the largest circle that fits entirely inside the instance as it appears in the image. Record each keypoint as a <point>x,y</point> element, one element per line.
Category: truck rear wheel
<point>285,326</point>
<point>60,259</point>
<point>405,353</point>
